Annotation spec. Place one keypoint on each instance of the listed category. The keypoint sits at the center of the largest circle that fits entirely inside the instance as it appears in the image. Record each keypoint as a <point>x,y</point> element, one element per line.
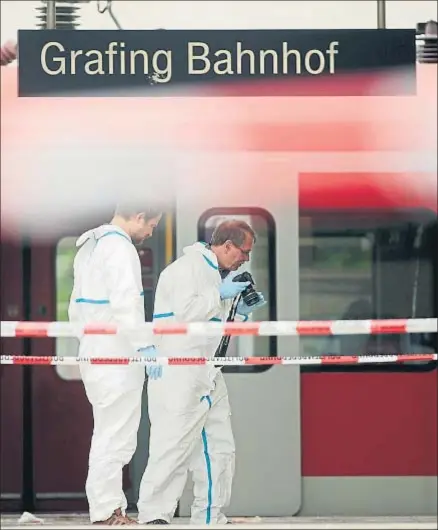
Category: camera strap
<point>225,340</point>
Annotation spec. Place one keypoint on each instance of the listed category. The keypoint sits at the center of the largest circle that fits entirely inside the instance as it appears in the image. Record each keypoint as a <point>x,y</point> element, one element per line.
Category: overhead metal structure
<point>427,42</point>
<point>381,14</point>
<point>58,14</point>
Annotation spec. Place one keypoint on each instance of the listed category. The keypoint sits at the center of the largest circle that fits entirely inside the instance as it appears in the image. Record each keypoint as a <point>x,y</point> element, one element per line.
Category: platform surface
<point>79,520</point>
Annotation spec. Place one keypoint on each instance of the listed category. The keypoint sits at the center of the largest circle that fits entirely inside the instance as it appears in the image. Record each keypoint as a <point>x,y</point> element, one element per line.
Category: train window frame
<point>272,266</point>
<point>68,373</point>
<point>420,215</point>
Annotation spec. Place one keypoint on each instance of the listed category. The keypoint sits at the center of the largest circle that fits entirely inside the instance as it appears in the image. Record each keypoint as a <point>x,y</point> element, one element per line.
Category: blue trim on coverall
<point>91,301</point>
<point>110,233</point>
<point>163,315</point>
<point>171,314</point>
<point>210,263</point>
<point>95,301</point>
<point>114,232</point>
<point>208,464</point>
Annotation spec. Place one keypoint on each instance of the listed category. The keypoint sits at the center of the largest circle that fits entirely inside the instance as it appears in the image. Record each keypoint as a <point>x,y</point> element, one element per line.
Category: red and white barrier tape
<point>222,361</point>
<point>304,327</point>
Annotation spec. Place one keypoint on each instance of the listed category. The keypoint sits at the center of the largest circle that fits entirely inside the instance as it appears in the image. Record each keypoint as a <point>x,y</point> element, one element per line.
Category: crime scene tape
<point>265,328</point>
<point>218,361</point>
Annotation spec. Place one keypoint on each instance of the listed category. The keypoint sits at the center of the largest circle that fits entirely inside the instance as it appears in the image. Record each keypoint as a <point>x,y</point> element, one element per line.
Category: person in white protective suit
<point>108,288</point>
<point>188,407</point>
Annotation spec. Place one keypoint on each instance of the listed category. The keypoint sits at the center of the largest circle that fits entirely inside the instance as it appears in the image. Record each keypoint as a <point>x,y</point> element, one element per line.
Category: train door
<point>11,380</point>
<point>265,400</point>
<point>62,416</point>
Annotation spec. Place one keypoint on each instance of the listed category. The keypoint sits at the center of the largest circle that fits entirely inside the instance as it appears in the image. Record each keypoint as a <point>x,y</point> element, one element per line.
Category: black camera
<point>249,295</point>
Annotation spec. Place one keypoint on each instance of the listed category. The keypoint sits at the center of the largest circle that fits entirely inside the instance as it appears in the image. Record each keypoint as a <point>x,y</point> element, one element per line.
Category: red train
<point>343,195</point>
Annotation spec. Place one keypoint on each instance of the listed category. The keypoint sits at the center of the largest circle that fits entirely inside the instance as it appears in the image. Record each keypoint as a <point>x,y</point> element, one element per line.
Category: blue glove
<point>154,371</point>
<point>230,289</point>
<point>245,310</point>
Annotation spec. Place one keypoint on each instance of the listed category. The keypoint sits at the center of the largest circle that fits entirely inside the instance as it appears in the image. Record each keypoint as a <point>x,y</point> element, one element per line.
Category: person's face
<point>143,229</point>
<point>233,256</point>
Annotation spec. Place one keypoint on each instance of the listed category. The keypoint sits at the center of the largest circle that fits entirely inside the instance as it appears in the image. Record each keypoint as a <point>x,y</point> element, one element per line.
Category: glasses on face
<point>246,253</point>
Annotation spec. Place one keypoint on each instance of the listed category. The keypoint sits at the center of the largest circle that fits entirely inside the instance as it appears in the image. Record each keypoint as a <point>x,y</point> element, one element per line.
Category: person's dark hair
<point>128,210</point>
<point>234,231</point>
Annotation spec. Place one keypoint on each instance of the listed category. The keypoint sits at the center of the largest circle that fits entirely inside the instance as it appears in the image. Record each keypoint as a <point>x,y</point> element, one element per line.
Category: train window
<point>262,268</point>
<point>65,347</point>
<point>368,265</point>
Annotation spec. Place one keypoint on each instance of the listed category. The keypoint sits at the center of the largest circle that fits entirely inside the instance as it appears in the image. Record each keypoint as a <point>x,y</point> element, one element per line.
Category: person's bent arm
<point>122,276</point>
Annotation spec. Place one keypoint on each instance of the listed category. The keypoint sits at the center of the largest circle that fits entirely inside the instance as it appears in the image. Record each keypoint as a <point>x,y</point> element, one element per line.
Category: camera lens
<point>250,296</point>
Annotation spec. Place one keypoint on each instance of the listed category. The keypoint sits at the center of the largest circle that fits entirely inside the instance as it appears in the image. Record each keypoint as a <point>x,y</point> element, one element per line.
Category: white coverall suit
<point>188,407</point>
<point>108,288</point>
